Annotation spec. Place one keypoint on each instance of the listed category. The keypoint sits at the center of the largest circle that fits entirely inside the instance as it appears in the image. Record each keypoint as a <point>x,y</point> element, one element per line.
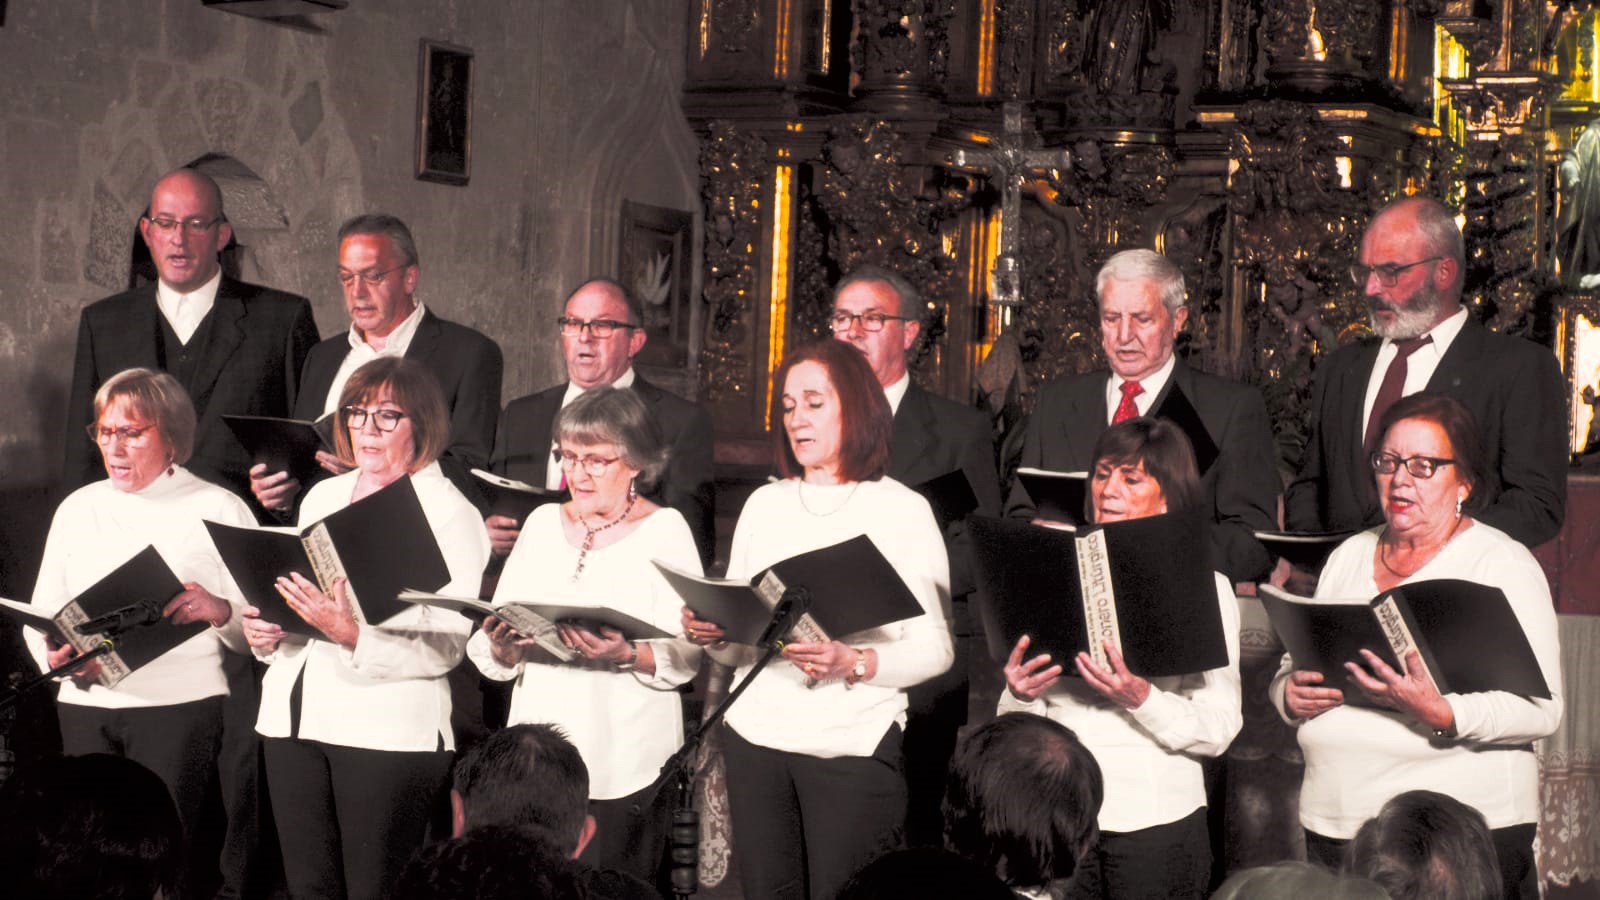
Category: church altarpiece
<point>1249,140</point>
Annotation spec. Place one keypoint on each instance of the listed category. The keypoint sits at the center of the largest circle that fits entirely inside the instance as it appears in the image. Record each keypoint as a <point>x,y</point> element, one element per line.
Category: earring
<point>1458,507</point>
<point>633,489</point>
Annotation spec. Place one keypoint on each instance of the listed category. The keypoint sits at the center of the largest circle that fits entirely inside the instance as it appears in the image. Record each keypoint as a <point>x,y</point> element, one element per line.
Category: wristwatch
<point>859,670</point>
<point>632,660</point>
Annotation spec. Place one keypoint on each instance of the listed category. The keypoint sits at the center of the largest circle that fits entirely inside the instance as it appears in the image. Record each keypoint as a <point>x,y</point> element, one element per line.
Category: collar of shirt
<point>398,341</point>
<point>185,312</point>
<point>625,380</point>
<point>1443,334</point>
<point>1152,384</point>
<point>896,392</point>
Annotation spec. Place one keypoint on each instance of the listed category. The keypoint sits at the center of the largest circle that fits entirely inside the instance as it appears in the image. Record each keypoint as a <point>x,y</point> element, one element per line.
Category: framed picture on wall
<point>656,249</point>
<point>444,113</point>
<point>1581,349</point>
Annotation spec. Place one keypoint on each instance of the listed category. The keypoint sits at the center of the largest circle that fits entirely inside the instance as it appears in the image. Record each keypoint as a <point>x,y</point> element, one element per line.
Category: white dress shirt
<point>1150,388</point>
<point>185,312</point>
<point>1420,365</point>
<point>361,353</point>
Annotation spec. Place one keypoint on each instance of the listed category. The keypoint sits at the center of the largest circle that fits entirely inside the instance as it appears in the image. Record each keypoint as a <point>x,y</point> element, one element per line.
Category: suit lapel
<point>913,435</point>
<point>227,333</point>
<point>1459,360</point>
<point>426,339</point>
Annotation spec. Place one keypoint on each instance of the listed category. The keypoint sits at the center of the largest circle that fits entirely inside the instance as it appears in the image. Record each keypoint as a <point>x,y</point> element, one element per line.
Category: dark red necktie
<point>1126,409</point>
<point>1394,382</point>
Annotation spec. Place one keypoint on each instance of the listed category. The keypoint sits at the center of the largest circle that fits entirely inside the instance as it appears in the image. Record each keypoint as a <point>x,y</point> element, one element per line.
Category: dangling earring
<point>633,489</point>
<point>1458,506</point>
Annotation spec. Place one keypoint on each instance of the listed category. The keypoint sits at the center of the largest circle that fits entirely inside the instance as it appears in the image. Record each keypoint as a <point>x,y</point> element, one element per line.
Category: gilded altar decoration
<point>732,179</point>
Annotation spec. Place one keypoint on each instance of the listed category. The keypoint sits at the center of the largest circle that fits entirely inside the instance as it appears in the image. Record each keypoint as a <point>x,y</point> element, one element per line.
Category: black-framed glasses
<point>370,279</point>
<point>194,226</point>
<point>870,321</point>
<point>383,419</point>
<point>594,465</point>
<point>1388,273</point>
<point>1386,463</point>
<point>131,436</point>
<point>600,328</point>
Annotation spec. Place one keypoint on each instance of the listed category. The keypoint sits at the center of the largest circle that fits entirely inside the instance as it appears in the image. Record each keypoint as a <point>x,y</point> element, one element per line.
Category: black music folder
<point>1057,496</point>
<point>852,588</point>
<point>1305,550</point>
<point>381,544</point>
<point>512,498</point>
<point>145,579</point>
<point>284,445</point>
<point>950,496</point>
<point>1146,584</point>
<point>1469,638</point>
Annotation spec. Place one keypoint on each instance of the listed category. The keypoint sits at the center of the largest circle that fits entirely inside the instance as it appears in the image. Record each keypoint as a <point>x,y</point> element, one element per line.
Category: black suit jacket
<point>1241,484</point>
<point>932,436</point>
<point>468,366</point>
<point>1515,392</point>
<point>522,451</point>
<point>257,341</point>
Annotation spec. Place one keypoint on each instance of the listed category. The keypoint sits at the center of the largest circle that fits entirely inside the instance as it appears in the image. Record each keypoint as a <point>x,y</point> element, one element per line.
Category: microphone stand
<point>16,693</point>
<point>684,840</point>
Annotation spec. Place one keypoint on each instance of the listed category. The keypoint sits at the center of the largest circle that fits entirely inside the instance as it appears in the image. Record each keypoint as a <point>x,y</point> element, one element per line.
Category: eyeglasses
<point>1385,463</point>
<point>600,328</point>
<point>370,279</point>
<point>594,465</point>
<point>872,321</point>
<point>383,419</point>
<point>1388,273</point>
<point>192,226</point>
<point>131,436</point>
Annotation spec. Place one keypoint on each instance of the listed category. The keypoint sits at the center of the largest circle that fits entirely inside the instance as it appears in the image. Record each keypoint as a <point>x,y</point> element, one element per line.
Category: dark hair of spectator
<point>95,827</point>
<point>1424,845</point>
<point>495,862</point>
<point>1022,798</point>
<point>413,388</point>
<point>924,872</point>
<point>1164,451</point>
<point>865,421</point>
<point>1460,428</point>
<point>527,776</point>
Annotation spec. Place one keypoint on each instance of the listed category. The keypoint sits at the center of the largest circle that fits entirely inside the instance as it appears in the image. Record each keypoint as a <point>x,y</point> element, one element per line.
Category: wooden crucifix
<point>1009,160</point>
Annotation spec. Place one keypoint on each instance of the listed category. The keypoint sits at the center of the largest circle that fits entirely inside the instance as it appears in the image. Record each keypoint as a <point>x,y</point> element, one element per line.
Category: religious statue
<point>1578,230</point>
<point>1120,40</point>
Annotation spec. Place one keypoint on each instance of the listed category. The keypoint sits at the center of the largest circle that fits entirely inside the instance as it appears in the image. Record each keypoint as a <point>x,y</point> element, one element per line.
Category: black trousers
<point>803,825</point>
<point>936,710</point>
<point>631,833</point>
<point>249,864</point>
<point>1513,849</point>
<point>348,818</point>
<point>1172,860</point>
<point>179,743</point>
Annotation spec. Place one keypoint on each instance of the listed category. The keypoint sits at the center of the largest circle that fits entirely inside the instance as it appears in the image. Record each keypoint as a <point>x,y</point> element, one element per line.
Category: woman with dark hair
<point>357,719</point>
<point>1147,734</point>
<point>1423,845</point>
<point>814,747</point>
<point>1474,747</point>
<point>617,699</point>
<point>167,715</point>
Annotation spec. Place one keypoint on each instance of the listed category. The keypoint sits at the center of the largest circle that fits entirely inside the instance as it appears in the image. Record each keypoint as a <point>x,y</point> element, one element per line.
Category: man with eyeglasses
<point>1141,299</point>
<point>876,311</point>
<point>602,329</point>
<point>1411,270</point>
<point>237,348</point>
<point>379,271</point>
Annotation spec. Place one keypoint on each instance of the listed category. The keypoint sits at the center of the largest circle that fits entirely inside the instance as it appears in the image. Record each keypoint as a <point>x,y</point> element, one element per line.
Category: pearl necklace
<point>589,533</point>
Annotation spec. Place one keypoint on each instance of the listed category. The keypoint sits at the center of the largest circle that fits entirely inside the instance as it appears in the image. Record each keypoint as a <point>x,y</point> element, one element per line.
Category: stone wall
<point>575,109</point>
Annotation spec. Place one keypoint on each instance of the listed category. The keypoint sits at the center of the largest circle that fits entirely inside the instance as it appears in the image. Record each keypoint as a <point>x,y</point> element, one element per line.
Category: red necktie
<point>1126,409</point>
<point>1394,382</point>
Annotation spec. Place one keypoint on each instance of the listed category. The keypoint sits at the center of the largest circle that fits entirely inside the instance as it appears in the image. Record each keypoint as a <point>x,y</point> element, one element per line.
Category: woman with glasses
<point>357,719</point>
<point>166,715</point>
<point>616,699</point>
<point>1473,747</point>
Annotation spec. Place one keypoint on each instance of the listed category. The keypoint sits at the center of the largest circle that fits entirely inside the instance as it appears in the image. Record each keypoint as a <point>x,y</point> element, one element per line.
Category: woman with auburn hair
<point>357,720</point>
<point>813,748</point>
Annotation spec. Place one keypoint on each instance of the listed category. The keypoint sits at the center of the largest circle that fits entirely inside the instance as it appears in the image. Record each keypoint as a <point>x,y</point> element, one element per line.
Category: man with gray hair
<point>1141,300</point>
<point>1412,270</point>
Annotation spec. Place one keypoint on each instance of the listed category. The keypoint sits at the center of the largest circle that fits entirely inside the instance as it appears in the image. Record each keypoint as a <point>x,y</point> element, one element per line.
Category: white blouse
<point>390,692</point>
<point>624,724</point>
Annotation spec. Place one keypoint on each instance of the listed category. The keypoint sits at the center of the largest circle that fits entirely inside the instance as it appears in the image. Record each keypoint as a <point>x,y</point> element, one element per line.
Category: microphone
<point>793,605</point>
<point>145,612</point>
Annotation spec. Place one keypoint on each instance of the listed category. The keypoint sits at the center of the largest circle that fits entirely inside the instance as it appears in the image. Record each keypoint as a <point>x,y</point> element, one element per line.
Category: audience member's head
<point>94,827</point>
<point>924,872</point>
<point>1426,846</point>
<point>1296,881</point>
<point>494,862</point>
<point>524,776</point>
<point>1022,798</point>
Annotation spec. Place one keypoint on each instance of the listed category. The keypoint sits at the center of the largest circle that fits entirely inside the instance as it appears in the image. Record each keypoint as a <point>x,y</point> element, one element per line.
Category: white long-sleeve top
<point>624,724</point>
<point>1357,758</point>
<point>98,528</point>
<point>390,692</point>
<point>1150,756</point>
<point>833,719</point>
